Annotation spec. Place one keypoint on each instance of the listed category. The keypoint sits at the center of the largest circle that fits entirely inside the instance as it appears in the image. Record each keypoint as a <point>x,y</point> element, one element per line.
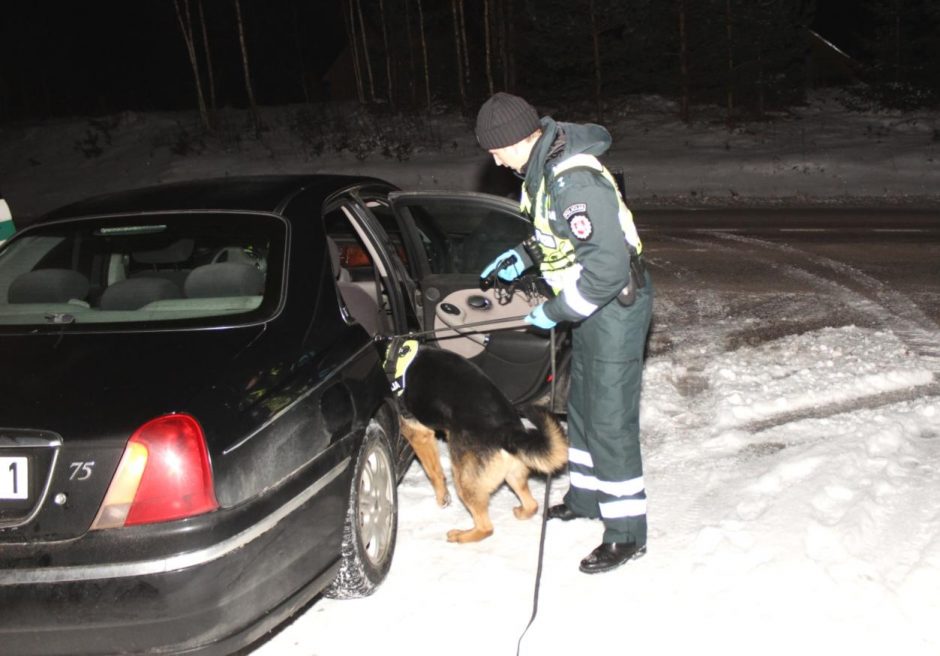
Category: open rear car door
<point>450,238</point>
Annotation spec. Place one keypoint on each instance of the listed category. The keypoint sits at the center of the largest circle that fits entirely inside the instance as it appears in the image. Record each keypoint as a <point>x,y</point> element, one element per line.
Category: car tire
<point>371,526</point>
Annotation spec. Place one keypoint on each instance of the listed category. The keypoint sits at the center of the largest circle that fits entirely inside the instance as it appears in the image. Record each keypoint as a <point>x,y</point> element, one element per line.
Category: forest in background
<point>419,56</point>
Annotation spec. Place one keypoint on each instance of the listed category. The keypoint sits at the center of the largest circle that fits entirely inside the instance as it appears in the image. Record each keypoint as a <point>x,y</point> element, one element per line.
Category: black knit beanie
<point>504,120</point>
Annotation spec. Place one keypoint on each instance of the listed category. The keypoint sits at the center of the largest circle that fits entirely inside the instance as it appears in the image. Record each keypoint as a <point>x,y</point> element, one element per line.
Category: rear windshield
<point>183,268</point>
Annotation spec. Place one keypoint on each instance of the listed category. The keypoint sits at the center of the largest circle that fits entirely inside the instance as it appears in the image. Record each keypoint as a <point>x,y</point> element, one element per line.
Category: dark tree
<point>184,17</point>
<point>899,44</point>
<point>249,88</point>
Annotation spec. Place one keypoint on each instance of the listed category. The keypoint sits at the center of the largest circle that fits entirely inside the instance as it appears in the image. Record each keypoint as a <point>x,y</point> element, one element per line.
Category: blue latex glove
<point>511,270</point>
<point>539,319</point>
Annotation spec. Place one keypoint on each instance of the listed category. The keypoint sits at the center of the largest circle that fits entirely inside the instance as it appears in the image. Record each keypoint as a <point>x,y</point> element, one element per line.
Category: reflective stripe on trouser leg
<point>614,433</point>
<point>608,349</point>
<point>582,500</point>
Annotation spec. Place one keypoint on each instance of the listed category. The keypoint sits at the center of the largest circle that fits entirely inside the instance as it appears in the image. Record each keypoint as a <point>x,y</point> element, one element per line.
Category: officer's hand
<point>508,266</point>
<point>539,319</point>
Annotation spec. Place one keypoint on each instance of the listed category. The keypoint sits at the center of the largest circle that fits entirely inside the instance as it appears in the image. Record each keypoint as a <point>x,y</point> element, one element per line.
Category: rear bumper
<point>266,560</point>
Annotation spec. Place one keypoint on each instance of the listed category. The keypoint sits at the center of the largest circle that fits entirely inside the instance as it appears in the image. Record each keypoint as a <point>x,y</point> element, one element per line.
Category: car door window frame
<point>401,202</point>
<point>374,237</point>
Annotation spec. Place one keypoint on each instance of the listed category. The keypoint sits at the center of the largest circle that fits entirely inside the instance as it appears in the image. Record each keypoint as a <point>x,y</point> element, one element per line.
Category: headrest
<point>224,279</point>
<point>178,251</point>
<point>134,293</point>
<point>48,286</point>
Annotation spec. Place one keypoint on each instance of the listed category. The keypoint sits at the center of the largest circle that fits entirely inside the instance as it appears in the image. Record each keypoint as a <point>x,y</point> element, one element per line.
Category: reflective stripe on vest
<point>558,260</point>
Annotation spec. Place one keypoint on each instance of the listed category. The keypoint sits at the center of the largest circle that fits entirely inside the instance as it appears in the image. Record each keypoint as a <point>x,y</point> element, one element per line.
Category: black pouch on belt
<point>638,271</point>
<point>627,295</point>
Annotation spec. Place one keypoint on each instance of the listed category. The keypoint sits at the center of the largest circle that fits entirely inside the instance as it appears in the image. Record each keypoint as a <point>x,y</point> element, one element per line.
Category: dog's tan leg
<point>424,443</point>
<point>518,480</point>
<point>475,494</point>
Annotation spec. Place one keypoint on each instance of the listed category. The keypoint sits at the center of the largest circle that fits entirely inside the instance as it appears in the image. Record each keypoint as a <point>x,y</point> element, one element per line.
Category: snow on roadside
<point>790,375</point>
<point>830,151</point>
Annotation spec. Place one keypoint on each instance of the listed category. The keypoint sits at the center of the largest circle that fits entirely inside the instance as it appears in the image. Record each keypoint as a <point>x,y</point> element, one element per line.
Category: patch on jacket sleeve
<point>577,217</point>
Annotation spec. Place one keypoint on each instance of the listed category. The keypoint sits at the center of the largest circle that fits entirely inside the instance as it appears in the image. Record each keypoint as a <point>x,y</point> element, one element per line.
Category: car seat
<point>224,279</point>
<point>168,262</point>
<point>48,286</point>
<point>134,293</point>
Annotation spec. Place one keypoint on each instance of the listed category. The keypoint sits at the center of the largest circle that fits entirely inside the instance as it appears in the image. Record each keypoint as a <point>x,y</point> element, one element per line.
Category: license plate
<point>14,477</point>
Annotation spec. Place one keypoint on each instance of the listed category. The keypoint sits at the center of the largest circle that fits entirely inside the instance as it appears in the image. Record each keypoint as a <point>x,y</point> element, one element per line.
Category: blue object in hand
<point>508,266</point>
<point>539,319</point>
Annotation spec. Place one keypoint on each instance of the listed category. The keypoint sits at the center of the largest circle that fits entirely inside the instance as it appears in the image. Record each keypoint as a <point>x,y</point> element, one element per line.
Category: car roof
<point>264,193</point>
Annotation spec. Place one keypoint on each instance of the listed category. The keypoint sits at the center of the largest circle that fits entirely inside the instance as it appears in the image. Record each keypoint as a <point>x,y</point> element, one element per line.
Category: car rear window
<point>186,269</point>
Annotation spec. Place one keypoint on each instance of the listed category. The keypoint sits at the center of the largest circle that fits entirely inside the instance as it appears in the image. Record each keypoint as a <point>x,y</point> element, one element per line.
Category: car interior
<point>132,273</point>
<point>360,280</point>
<point>459,235</point>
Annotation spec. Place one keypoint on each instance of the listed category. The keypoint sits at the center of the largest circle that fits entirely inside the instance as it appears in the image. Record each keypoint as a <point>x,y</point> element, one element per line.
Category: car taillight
<point>164,474</point>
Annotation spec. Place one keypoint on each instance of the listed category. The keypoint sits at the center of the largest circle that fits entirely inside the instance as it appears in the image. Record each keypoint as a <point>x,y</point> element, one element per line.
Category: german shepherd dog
<point>445,393</point>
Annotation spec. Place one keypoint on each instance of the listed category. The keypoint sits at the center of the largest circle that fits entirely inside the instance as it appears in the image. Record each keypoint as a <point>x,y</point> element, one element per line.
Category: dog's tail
<point>545,447</point>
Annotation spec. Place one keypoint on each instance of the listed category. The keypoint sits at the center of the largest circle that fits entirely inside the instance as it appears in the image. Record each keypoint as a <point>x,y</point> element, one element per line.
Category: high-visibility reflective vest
<point>558,259</point>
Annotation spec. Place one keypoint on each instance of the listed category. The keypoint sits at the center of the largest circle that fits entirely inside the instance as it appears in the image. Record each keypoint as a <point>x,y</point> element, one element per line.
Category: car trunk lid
<point>71,402</point>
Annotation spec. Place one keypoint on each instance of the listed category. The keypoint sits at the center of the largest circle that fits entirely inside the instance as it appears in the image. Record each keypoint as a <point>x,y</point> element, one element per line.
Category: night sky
<point>96,56</point>
<point>102,56</point>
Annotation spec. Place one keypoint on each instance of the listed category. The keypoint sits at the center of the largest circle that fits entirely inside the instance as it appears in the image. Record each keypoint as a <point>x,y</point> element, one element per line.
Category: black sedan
<point>197,434</point>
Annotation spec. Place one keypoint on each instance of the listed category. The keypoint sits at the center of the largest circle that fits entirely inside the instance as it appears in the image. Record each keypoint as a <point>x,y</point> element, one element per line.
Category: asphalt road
<point>769,273</point>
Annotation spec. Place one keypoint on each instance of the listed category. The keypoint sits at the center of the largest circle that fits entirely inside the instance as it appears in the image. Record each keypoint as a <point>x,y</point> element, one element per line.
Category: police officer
<point>590,253</point>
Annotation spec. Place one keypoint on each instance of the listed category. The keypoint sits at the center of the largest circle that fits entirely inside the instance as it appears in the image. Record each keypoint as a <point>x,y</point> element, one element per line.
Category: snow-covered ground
<point>794,484</point>
<point>823,153</point>
<point>769,533</point>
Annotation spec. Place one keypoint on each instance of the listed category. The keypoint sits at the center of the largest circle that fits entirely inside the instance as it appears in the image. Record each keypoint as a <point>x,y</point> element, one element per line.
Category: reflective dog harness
<point>398,357</point>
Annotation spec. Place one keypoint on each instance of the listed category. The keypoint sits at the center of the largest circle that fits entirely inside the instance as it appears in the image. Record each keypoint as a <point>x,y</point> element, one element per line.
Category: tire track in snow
<point>894,309</point>
<point>886,307</point>
<point>851,405</point>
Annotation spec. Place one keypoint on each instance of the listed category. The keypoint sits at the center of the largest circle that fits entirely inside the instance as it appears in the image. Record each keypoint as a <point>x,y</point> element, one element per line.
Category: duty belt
<point>627,295</point>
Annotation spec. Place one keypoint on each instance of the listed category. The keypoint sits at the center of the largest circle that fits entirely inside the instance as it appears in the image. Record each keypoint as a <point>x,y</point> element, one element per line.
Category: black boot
<point>562,512</point>
<point>611,555</point>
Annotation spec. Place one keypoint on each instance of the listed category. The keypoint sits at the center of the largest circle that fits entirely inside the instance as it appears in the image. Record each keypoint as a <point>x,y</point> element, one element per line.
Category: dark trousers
<point>605,463</point>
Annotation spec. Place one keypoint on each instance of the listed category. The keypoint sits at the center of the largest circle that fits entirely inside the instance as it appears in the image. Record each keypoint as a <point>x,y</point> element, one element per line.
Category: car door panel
<point>451,237</point>
<point>462,306</point>
<point>519,364</point>
<point>513,357</point>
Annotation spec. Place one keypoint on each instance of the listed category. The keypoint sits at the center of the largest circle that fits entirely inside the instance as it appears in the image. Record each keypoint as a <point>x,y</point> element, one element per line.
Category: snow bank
<point>825,153</point>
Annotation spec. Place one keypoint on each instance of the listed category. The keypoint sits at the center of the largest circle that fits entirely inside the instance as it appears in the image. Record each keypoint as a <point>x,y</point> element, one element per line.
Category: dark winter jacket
<point>597,237</point>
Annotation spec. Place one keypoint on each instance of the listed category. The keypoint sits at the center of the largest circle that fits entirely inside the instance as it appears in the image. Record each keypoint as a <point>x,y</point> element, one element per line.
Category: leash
<point>462,329</point>
<point>398,346</point>
<point>548,487</point>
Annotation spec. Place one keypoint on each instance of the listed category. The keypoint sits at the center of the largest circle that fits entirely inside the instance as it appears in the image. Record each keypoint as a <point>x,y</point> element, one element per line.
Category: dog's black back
<point>488,443</point>
<point>449,394</point>
<point>444,390</point>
